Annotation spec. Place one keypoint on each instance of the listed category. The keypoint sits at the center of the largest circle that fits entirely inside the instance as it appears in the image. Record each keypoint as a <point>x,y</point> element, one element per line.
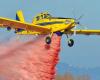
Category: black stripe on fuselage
<point>50,23</point>
<point>60,18</point>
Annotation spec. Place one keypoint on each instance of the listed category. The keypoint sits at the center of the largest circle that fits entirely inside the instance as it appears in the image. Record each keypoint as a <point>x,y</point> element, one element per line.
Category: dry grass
<point>71,77</point>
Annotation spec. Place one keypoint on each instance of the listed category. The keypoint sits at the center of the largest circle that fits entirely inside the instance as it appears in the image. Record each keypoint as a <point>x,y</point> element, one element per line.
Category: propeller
<point>77,22</point>
<point>80,17</point>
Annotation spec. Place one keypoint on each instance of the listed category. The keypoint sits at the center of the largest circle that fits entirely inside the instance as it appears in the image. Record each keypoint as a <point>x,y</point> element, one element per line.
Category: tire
<point>48,40</point>
<point>70,42</point>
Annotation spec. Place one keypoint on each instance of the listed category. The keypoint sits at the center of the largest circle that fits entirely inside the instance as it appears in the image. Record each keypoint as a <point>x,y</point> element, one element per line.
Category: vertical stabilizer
<point>19,16</point>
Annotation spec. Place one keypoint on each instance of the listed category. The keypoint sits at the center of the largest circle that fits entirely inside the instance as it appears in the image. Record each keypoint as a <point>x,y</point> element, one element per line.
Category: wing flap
<point>85,32</point>
<point>26,26</point>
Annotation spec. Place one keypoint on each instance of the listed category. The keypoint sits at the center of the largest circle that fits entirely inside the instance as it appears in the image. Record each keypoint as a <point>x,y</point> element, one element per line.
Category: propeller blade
<point>80,17</point>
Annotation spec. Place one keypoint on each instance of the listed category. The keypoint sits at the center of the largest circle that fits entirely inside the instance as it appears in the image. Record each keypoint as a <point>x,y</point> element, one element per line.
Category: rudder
<point>20,16</point>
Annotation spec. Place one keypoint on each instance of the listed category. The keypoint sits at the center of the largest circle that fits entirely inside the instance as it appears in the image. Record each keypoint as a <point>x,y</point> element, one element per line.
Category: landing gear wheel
<point>48,40</point>
<point>70,42</point>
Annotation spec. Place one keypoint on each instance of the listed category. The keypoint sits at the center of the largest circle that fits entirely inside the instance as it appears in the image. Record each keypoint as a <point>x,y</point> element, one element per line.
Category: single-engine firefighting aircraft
<point>45,24</point>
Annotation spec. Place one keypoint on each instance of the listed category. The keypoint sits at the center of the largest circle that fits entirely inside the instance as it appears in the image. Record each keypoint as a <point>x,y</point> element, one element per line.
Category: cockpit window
<point>47,16</point>
<point>42,16</point>
<point>38,18</point>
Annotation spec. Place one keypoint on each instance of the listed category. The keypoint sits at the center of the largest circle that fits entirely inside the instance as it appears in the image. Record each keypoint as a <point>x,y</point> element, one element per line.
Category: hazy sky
<point>86,51</point>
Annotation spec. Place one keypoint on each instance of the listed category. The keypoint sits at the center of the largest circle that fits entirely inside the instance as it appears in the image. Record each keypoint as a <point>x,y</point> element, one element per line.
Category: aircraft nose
<point>77,22</point>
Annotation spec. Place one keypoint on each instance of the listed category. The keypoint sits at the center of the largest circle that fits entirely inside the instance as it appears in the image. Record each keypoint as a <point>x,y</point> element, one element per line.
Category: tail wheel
<point>48,40</point>
<point>70,42</point>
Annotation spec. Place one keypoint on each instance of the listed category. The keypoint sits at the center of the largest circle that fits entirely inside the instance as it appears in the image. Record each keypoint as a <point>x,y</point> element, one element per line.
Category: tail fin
<point>19,16</point>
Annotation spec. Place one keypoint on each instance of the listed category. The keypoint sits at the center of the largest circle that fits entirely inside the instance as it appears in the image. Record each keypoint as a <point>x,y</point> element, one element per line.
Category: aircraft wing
<point>4,22</point>
<point>85,32</point>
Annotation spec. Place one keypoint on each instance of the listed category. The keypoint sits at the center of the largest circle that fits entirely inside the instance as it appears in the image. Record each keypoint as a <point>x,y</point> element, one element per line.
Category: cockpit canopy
<point>44,15</point>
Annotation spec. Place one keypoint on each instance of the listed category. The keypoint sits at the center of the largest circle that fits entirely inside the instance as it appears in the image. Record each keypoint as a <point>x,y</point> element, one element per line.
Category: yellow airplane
<point>45,24</point>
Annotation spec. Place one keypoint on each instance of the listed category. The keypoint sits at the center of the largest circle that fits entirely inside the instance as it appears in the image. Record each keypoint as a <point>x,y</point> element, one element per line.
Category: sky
<point>86,51</point>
